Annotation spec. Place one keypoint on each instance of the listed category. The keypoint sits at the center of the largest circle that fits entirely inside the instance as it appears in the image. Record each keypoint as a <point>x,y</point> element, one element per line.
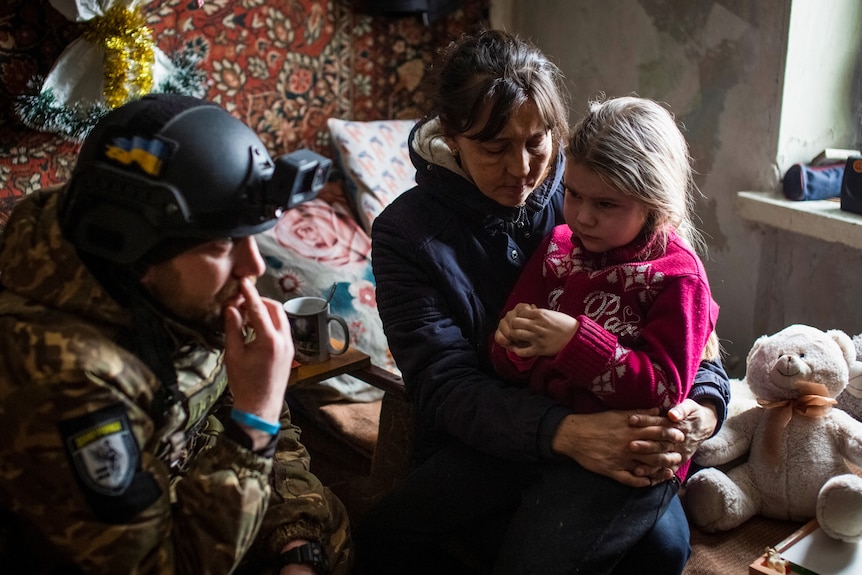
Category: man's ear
<point>144,273</point>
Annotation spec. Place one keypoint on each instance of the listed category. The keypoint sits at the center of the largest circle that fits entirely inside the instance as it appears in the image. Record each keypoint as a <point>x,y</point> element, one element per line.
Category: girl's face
<point>602,217</point>
<point>510,166</point>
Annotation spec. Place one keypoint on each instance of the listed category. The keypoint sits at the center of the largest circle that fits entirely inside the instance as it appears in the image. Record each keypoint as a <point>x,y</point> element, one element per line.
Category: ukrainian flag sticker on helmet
<point>148,154</point>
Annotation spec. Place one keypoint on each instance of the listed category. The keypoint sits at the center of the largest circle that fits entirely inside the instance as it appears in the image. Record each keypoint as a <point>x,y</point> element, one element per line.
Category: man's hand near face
<point>258,368</point>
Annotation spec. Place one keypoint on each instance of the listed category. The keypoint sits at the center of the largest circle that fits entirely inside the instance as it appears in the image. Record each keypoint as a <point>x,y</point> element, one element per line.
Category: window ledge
<point>821,219</point>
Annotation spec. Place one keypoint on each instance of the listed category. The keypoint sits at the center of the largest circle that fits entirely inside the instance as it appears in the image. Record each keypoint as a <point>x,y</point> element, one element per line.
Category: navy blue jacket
<point>445,258</point>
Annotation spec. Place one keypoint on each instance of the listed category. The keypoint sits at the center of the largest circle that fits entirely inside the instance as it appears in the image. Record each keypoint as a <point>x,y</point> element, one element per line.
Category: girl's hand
<point>529,331</point>
<point>505,329</point>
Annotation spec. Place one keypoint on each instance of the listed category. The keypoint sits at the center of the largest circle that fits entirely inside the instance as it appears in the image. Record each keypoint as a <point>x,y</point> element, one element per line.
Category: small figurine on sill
<point>774,561</point>
<point>795,440</point>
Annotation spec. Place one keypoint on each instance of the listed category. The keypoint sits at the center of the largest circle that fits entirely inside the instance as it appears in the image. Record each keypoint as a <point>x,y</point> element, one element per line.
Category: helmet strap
<point>152,342</point>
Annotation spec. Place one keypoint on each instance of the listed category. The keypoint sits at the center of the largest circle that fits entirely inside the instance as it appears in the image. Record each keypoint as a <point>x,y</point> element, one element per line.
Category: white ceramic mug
<point>309,323</point>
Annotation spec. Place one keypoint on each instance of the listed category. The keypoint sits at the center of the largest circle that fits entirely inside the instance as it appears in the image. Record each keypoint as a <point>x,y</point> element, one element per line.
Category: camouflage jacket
<point>88,476</point>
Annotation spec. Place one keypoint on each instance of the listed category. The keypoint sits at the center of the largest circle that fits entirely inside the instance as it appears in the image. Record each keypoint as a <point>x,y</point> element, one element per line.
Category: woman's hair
<point>635,145</point>
<point>497,68</point>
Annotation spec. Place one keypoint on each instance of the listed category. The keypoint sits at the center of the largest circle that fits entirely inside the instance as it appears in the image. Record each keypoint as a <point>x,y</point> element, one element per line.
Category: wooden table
<point>347,362</point>
<point>352,362</point>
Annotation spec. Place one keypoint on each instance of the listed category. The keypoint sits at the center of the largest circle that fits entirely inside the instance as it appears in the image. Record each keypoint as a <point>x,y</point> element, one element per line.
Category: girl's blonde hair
<point>712,351</point>
<point>635,145</point>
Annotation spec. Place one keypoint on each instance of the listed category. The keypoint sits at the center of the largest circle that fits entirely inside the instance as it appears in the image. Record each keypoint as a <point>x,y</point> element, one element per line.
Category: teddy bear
<point>795,440</point>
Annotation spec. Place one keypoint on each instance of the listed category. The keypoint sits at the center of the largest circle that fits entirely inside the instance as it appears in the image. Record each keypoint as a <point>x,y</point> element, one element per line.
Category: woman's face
<point>510,166</point>
<point>601,216</point>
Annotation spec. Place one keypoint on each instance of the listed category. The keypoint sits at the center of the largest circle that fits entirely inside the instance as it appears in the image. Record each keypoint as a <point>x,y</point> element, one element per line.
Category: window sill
<point>821,219</point>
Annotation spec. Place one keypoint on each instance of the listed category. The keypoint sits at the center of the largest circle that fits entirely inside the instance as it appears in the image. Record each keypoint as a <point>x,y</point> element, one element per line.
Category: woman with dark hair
<point>446,255</point>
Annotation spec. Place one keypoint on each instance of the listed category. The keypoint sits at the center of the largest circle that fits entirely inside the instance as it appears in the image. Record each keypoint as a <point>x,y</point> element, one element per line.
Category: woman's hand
<point>530,331</point>
<point>636,448</point>
<point>695,421</point>
<point>600,442</point>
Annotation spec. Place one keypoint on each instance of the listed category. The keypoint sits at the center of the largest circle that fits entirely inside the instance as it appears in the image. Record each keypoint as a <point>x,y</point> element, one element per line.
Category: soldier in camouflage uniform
<point>143,427</point>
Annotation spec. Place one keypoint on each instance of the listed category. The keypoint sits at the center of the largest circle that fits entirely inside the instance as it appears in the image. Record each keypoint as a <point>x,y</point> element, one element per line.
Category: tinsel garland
<point>129,54</point>
<point>41,110</point>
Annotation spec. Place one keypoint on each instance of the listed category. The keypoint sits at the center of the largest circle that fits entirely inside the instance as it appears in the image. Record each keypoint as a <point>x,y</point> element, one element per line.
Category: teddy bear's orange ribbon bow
<point>813,401</point>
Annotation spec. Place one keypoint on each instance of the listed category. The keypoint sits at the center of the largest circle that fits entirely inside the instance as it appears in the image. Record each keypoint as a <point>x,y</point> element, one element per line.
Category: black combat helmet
<point>172,169</point>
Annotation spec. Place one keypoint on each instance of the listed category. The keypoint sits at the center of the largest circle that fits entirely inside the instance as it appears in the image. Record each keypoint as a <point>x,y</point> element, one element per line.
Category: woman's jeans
<point>464,512</point>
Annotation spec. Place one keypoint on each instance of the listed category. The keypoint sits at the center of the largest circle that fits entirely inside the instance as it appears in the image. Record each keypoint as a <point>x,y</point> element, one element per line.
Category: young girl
<point>614,309</point>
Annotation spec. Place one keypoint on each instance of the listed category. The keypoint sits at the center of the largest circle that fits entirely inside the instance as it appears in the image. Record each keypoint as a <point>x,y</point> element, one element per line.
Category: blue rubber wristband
<point>255,422</point>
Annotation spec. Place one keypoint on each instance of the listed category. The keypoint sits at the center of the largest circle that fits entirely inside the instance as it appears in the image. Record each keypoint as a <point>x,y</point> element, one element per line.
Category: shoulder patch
<point>107,460</point>
<point>103,449</point>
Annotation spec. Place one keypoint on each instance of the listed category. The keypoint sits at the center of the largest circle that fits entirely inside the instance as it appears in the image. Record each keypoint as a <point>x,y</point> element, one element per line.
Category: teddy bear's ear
<point>845,343</point>
<point>755,346</point>
<point>848,348</point>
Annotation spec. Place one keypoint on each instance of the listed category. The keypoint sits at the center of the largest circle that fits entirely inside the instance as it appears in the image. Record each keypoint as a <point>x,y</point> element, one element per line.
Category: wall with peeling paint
<point>720,66</point>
